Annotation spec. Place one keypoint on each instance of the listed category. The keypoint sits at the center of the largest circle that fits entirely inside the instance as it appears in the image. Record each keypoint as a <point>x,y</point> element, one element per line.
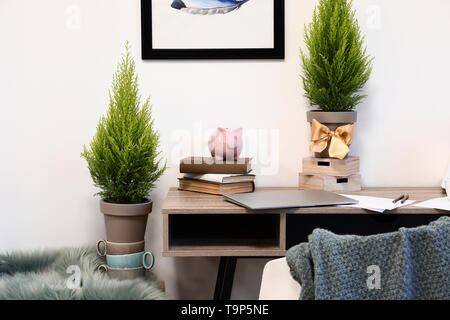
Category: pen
<point>398,199</point>
<point>406,198</point>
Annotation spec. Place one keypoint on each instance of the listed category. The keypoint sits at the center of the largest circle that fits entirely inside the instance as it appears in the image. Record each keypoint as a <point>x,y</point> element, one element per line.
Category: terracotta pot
<point>125,223</point>
<point>332,120</point>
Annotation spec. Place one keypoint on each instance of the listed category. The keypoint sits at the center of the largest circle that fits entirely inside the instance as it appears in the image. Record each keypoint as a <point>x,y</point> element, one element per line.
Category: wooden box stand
<point>331,167</point>
<point>330,174</point>
<point>330,183</point>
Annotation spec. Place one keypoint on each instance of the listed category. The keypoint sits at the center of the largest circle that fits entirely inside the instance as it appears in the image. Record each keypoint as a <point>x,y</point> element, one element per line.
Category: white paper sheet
<point>439,203</point>
<point>447,177</point>
<point>375,204</point>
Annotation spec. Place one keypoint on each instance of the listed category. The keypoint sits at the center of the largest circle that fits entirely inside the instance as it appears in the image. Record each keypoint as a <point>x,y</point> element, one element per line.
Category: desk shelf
<point>227,234</point>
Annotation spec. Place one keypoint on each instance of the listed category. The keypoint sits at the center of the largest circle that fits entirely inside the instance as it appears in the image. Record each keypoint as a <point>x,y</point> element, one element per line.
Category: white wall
<point>53,88</point>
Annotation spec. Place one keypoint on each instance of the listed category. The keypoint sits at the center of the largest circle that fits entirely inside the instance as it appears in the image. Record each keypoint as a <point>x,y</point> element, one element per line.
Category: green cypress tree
<point>338,66</point>
<point>122,157</point>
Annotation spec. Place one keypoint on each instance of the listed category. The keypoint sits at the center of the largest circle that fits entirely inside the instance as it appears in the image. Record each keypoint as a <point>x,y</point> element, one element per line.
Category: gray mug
<point>105,247</point>
<point>123,273</point>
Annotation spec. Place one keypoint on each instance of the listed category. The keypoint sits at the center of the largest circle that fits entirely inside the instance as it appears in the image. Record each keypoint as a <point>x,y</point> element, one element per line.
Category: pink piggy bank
<point>226,144</point>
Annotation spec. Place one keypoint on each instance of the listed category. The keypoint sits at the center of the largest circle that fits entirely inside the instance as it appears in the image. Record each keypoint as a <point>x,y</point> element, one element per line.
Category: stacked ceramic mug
<point>125,260</point>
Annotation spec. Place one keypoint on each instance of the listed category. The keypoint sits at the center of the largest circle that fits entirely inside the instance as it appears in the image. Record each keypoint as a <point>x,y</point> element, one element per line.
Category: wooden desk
<point>202,225</point>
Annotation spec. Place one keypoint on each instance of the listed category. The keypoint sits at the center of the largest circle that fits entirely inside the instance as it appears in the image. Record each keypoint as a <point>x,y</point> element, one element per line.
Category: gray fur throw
<point>67,274</point>
<point>412,263</point>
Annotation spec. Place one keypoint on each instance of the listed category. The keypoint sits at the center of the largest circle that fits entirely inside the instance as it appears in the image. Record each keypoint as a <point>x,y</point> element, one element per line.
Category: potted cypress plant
<point>336,67</point>
<point>123,157</point>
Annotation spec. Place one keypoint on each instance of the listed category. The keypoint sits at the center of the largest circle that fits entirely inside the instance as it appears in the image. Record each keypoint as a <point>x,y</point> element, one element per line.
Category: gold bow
<point>340,139</point>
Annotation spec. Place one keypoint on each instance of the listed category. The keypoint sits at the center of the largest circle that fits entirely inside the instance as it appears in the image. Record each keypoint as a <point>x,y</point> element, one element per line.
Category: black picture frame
<point>149,53</point>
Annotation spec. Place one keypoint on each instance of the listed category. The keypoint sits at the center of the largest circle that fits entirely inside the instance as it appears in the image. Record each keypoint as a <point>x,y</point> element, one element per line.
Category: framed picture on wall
<point>212,29</point>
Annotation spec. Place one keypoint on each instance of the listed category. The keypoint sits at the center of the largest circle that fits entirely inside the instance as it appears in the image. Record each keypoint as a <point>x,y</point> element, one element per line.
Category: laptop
<point>262,200</point>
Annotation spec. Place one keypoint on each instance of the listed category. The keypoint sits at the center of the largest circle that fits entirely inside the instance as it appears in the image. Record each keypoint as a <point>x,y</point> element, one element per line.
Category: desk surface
<point>185,202</point>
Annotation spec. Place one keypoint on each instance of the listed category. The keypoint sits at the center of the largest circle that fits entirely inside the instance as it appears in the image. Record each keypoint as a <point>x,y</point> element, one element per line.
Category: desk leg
<point>225,277</point>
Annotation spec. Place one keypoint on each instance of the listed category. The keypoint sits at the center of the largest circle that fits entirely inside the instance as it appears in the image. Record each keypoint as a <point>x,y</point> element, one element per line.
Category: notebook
<point>260,200</point>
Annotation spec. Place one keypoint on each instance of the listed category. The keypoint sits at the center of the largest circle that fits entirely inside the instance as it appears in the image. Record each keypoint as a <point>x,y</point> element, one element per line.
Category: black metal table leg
<point>225,277</point>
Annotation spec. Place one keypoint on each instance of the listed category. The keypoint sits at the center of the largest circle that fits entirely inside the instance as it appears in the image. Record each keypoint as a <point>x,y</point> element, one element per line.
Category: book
<point>220,178</point>
<point>214,187</point>
<point>211,165</point>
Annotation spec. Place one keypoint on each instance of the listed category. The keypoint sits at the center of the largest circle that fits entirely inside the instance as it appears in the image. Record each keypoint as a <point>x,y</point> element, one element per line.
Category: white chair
<point>277,282</point>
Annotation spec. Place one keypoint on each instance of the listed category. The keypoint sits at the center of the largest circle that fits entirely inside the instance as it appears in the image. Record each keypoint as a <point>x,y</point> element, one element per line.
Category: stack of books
<point>330,174</point>
<point>208,175</point>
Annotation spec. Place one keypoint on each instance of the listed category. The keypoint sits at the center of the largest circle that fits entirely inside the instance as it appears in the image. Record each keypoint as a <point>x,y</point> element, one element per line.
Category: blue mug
<point>134,260</point>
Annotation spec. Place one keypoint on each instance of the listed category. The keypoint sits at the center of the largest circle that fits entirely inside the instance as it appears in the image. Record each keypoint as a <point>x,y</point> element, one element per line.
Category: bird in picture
<point>208,7</point>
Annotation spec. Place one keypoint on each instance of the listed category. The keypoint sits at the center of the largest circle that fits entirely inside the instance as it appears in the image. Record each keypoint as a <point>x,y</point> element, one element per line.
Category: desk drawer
<point>299,226</point>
